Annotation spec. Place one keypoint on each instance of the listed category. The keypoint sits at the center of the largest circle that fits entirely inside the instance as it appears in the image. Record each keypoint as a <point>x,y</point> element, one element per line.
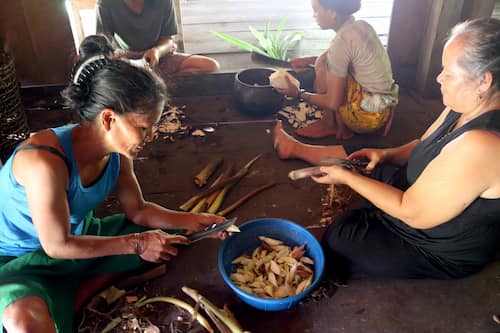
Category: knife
<point>344,162</point>
<point>212,229</point>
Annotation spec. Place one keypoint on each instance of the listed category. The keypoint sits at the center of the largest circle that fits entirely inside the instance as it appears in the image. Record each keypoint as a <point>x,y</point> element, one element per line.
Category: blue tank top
<point>17,232</point>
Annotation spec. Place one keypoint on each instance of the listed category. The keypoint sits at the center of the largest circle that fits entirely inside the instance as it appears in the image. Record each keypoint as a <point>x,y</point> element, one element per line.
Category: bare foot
<point>319,129</point>
<point>283,143</point>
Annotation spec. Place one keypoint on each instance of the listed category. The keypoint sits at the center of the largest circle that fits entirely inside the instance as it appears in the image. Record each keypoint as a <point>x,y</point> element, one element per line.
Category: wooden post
<point>474,9</point>
<point>444,15</point>
<point>178,16</point>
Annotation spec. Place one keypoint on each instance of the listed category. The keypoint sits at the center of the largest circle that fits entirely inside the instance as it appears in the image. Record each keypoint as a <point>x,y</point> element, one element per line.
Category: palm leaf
<point>263,41</point>
<point>271,45</point>
<point>239,42</point>
<point>280,26</point>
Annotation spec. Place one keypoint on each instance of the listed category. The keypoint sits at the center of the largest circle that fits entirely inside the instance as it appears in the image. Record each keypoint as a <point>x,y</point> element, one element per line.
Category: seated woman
<point>434,203</point>
<point>145,29</point>
<point>49,239</point>
<point>353,83</point>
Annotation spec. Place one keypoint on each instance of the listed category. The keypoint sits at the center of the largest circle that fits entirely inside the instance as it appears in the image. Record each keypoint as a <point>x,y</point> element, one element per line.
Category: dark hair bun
<point>95,45</point>
<point>342,7</point>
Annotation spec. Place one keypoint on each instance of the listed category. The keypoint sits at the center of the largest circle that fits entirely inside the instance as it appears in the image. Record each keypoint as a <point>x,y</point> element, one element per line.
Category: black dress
<point>368,242</point>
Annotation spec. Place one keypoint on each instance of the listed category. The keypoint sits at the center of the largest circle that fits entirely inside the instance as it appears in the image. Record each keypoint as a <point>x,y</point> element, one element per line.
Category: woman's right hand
<point>158,246</point>
<point>371,155</point>
<point>302,63</point>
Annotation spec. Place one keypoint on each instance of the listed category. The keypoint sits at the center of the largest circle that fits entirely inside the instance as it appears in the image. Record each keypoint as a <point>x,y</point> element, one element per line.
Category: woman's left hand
<point>332,174</point>
<point>204,220</point>
<point>291,90</point>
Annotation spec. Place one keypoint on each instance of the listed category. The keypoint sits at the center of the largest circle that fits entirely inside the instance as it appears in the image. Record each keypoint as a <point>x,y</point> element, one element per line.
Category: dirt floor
<point>165,170</point>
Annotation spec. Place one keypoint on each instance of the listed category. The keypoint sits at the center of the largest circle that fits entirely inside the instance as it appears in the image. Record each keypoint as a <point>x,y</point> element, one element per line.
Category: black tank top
<point>472,238</point>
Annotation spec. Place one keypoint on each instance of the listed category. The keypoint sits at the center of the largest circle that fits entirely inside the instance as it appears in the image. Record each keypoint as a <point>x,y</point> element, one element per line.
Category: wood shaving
<point>171,123</point>
<point>336,200</point>
<point>301,115</point>
<point>198,132</point>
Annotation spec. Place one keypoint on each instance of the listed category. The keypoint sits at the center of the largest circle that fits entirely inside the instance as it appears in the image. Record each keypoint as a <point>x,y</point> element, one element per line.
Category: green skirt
<point>57,280</point>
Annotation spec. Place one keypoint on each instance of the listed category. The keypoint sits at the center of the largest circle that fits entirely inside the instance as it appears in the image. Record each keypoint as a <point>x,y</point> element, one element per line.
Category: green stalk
<point>202,205</point>
<point>227,318</point>
<point>220,197</point>
<point>226,173</point>
<point>194,199</point>
<point>202,177</point>
<point>177,302</point>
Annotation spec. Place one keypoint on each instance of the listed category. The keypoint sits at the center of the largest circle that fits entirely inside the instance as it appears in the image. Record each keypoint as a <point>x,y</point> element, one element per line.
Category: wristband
<point>299,94</point>
<point>139,243</point>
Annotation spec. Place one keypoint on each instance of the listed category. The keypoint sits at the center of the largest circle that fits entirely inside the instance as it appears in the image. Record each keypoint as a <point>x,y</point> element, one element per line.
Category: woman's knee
<point>28,314</point>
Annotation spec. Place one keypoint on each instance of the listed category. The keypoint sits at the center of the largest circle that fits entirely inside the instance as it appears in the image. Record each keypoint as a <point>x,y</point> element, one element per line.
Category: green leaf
<point>239,42</point>
<point>263,41</point>
<point>280,26</point>
<point>272,45</point>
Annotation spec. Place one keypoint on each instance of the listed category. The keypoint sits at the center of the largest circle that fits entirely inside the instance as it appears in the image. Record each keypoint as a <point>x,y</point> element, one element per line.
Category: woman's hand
<point>332,174</point>
<point>152,56</point>
<point>302,63</point>
<point>291,90</point>
<point>371,155</point>
<point>157,245</point>
<point>204,220</point>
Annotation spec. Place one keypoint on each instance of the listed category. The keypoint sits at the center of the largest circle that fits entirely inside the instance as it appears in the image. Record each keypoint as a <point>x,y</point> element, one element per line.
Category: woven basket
<point>13,124</point>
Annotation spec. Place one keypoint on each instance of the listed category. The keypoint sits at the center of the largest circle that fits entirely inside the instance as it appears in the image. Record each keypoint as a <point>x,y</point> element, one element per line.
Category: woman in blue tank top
<point>49,240</point>
<point>434,203</point>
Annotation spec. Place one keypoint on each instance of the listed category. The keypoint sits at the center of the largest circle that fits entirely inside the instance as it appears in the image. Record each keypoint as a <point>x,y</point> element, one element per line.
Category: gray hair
<point>481,53</point>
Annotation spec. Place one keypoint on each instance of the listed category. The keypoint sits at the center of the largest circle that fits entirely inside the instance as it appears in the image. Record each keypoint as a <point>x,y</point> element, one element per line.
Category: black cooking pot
<point>253,93</point>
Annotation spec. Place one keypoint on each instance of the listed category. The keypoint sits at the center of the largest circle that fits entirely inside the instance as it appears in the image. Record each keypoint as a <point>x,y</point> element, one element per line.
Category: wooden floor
<point>165,169</point>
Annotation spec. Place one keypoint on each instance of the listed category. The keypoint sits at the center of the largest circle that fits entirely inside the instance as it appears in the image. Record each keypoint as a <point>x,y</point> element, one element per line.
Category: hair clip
<point>83,66</point>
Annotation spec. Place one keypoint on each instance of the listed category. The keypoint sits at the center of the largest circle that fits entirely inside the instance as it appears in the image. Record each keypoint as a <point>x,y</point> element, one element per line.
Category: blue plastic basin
<point>247,240</point>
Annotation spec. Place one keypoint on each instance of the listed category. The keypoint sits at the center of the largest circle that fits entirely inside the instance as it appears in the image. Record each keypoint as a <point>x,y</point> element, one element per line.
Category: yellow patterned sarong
<point>357,119</point>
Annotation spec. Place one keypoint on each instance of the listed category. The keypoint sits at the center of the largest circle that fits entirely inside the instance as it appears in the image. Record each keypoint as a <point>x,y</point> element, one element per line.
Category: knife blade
<point>208,231</point>
<point>343,162</point>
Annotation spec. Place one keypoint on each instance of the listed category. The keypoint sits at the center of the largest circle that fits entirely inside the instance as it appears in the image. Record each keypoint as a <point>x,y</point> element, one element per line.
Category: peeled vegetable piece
<point>281,79</point>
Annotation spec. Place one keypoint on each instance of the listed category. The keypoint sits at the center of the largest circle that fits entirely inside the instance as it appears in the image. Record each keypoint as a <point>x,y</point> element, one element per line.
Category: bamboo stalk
<point>202,205</point>
<point>226,173</point>
<point>202,177</point>
<point>194,199</point>
<point>243,199</point>
<point>181,304</point>
<point>225,316</point>
<point>214,207</point>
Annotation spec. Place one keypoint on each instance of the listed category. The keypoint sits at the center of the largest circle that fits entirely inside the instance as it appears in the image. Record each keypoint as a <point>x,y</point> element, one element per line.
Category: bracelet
<point>139,243</point>
<point>299,94</point>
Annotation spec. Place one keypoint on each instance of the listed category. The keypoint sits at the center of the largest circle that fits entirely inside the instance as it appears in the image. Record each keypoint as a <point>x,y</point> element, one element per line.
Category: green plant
<point>271,45</point>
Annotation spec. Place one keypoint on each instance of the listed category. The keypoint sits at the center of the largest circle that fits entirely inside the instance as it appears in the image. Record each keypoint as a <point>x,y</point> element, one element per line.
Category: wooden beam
<point>180,34</point>
<point>475,9</point>
<point>444,15</point>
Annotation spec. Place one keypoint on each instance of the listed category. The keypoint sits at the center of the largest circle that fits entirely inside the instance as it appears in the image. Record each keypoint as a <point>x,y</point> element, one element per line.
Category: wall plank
<point>37,34</point>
